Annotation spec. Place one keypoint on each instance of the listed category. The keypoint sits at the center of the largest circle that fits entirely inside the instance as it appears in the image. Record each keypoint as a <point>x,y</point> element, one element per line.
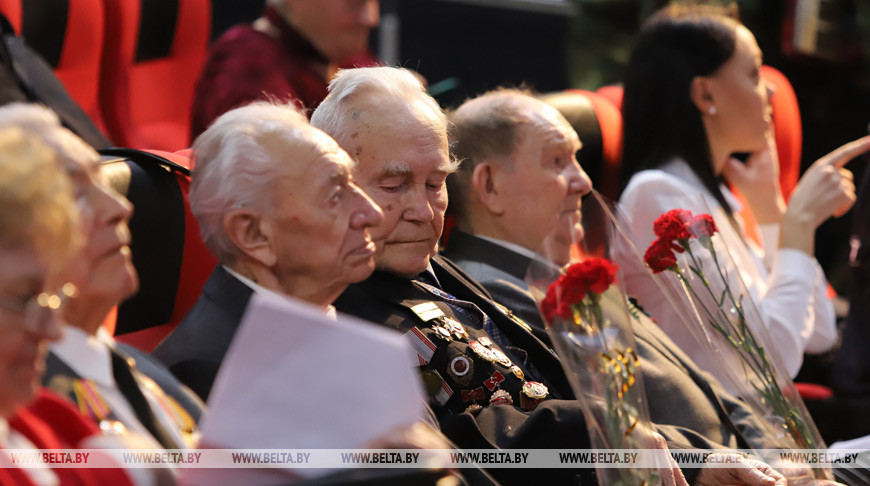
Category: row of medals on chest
<point>448,329</point>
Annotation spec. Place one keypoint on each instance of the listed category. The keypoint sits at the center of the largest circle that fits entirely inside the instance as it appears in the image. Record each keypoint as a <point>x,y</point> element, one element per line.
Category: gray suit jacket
<point>195,349</point>
<point>678,392</point>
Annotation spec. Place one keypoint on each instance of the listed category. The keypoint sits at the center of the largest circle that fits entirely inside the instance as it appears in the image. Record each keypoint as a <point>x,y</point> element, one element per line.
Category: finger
<point>839,157</point>
<point>734,170</point>
<point>752,476</point>
<point>847,174</point>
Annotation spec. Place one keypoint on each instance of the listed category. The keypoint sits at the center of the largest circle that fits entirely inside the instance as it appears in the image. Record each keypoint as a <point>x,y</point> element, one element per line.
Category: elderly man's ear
<point>251,235</point>
<point>486,183</point>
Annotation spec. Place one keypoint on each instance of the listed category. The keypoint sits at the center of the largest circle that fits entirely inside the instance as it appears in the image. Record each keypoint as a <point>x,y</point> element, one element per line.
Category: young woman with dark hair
<point>693,99</point>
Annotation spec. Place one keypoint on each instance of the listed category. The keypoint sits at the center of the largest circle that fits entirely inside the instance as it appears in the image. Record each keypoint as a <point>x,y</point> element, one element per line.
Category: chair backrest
<point>787,128</point>
<point>168,253</point>
<point>599,125</point>
<point>69,35</point>
<point>150,68</point>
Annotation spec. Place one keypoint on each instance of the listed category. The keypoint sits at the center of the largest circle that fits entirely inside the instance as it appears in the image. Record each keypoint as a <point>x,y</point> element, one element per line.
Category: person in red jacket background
<point>289,53</point>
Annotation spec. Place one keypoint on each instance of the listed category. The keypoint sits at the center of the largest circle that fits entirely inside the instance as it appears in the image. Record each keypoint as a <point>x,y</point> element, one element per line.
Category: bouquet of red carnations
<point>686,245</point>
<point>589,323</point>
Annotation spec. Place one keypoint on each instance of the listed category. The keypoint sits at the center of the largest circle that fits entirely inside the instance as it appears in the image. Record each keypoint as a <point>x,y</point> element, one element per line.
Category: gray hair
<point>236,164</point>
<point>42,122</point>
<point>489,126</point>
<point>351,85</point>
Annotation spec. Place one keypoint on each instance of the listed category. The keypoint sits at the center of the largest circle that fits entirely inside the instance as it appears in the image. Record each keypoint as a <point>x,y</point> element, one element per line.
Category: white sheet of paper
<point>296,379</point>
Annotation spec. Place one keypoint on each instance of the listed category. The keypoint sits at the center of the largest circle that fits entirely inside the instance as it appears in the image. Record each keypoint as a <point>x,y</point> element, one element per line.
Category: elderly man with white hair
<point>276,203</point>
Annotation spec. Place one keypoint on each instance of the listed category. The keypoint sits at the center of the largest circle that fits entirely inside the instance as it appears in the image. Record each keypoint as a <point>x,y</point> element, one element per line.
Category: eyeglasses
<point>38,307</point>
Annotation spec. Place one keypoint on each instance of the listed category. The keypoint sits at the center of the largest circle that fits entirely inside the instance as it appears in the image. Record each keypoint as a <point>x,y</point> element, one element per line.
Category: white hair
<point>237,160</point>
<point>349,86</point>
<point>42,122</point>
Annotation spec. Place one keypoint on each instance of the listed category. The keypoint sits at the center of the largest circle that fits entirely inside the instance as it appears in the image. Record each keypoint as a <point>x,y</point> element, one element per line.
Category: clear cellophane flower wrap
<point>691,263</point>
<point>588,317</point>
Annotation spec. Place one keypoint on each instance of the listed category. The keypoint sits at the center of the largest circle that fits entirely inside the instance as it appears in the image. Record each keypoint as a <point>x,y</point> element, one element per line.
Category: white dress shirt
<point>259,289</point>
<point>787,285</point>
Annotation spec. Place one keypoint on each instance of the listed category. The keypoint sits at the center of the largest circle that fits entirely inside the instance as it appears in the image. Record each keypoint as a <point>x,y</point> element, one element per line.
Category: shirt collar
<point>257,288</point>
<point>512,246</point>
<point>87,355</point>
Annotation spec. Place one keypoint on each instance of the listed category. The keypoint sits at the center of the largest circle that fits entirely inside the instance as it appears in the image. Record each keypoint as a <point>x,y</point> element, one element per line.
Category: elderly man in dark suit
<point>492,383</point>
<point>276,203</point>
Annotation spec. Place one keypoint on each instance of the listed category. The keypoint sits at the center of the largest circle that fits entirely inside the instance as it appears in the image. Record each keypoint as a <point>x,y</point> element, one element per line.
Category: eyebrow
<point>393,168</point>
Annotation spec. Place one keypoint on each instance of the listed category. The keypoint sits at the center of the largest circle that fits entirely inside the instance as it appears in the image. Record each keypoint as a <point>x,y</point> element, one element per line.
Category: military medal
<point>427,311</point>
<point>461,369</point>
<point>474,409</point>
<point>442,333</point>
<point>501,397</point>
<point>483,351</point>
<point>437,388</point>
<point>517,372</point>
<point>533,393</point>
<point>502,358</point>
<point>493,381</point>
<point>485,341</point>
<point>470,395</point>
<point>455,328</point>
<point>424,346</point>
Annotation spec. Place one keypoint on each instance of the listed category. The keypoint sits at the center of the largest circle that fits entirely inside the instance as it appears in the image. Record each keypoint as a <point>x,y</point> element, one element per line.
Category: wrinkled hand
<point>745,472</point>
<point>758,181</point>
<point>826,189</point>
<point>671,473</point>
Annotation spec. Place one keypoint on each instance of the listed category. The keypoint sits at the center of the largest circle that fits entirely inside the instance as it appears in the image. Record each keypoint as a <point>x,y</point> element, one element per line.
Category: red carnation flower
<point>592,275</point>
<point>702,225</point>
<point>596,274</point>
<point>673,225</point>
<point>660,256</point>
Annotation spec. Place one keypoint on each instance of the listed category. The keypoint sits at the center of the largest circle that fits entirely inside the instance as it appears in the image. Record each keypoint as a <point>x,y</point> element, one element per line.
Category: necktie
<point>130,389</point>
<point>464,308</point>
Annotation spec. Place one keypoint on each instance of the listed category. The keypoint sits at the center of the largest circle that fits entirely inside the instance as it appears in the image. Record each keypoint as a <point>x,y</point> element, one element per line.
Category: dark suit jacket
<point>555,424</point>
<point>670,377</point>
<point>195,349</point>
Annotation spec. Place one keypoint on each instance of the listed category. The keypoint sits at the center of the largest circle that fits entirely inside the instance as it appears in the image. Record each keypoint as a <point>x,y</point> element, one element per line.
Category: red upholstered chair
<point>168,253</point>
<point>150,68</point>
<point>613,94</point>
<point>68,34</point>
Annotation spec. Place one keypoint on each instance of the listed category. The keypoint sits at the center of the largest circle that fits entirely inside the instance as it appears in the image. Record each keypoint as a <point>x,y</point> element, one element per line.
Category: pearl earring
<point>712,110</point>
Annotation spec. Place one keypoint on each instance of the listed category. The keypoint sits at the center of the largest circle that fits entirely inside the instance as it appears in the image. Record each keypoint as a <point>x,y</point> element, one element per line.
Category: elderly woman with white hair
<point>117,386</point>
<point>39,231</point>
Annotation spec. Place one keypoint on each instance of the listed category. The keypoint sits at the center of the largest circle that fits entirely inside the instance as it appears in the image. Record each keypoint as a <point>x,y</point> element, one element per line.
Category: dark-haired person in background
<point>693,98</point>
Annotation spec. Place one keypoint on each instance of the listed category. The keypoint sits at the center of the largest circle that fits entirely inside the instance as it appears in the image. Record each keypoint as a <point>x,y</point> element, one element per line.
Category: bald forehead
<point>299,149</point>
<point>542,120</point>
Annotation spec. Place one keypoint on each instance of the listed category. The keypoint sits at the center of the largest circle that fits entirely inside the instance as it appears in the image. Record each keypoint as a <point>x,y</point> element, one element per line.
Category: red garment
<point>50,423</point>
<point>244,65</point>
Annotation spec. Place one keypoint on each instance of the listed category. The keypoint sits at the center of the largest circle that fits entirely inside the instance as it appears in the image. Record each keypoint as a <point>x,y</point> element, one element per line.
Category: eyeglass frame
<point>36,308</point>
